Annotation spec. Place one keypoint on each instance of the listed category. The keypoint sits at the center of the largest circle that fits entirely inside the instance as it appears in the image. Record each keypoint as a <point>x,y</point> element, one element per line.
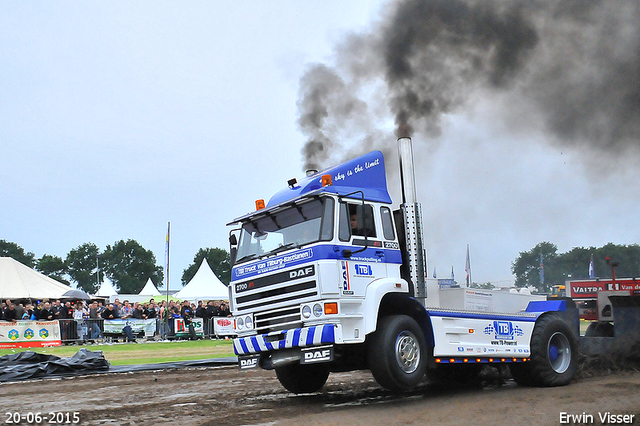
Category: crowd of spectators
<point>80,321</point>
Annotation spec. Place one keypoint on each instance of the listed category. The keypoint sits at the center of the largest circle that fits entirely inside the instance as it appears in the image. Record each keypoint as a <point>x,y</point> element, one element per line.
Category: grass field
<point>144,353</point>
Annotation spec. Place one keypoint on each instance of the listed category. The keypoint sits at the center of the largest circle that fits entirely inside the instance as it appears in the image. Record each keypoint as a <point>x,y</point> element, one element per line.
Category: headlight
<point>239,323</point>
<point>306,312</point>
<point>248,322</point>
<point>317,309</point>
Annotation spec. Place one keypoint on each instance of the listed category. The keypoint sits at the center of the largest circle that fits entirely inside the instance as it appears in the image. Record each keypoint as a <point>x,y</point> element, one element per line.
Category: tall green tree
<point>574,264</point>
<point>82,265</point>
<point>526,268</point>
<point>14,251</point>
<point>219,261</point>
<point>53,267</point>
<point>129,266</point>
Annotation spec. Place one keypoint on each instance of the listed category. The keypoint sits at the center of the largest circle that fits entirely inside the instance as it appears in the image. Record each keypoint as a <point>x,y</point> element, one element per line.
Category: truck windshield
<point>293,227</point>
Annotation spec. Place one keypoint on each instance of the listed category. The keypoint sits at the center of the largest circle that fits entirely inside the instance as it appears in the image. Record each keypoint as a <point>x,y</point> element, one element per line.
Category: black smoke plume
<point>575,64</point>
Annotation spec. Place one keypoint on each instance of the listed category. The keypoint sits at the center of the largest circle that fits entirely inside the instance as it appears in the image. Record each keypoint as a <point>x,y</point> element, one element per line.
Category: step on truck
<point>328,277</point>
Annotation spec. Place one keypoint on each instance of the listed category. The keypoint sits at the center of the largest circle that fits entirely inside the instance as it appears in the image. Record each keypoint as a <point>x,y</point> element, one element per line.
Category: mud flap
<point>316,354</point>
<point>246,362</point>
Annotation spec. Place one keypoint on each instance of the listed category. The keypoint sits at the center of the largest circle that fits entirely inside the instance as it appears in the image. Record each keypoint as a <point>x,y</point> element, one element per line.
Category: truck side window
<point>361,220</point>
<point>387,224</point>
<point>344,230</point>
<point>326,229</point>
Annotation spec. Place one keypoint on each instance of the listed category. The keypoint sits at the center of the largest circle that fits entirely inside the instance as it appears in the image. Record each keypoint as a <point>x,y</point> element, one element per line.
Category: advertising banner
<point>29,334</point>
<point>223,326</point>
<point>182,330</point>
<point>137,326</point>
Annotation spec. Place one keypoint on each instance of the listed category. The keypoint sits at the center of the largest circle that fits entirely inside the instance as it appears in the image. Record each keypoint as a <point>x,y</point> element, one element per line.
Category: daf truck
<point>328,276</point>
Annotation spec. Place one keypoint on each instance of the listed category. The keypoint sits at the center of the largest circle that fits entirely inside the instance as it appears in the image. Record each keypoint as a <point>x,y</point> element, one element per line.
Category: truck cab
<point>305,262</point>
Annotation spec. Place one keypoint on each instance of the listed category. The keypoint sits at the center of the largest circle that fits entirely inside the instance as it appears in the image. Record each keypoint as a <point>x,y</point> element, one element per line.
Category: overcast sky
<point>119,117</point>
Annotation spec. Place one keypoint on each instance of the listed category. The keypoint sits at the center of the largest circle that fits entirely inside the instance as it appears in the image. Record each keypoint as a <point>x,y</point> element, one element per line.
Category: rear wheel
<point>299,378</point>
<point>397,353</point>
<point>554,355</point>
<point>599,329</point>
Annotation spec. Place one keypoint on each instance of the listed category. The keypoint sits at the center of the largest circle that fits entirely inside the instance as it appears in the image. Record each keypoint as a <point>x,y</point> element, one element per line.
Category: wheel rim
<point>559,351</point>
<point>407,352</point>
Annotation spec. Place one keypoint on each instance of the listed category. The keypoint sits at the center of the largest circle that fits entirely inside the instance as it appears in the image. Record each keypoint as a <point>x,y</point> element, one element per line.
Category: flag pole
<point>467,268</point>
<point>166,328</point>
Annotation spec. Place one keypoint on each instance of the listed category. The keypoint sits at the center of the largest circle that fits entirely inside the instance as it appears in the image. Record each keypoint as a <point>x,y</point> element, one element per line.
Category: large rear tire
<point>299,378</point>
<point>599,329</point>
<point>554,355</point>
<point>397,353</point>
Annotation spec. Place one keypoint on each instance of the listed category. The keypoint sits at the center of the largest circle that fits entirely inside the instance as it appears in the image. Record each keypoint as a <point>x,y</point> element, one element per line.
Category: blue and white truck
<point>327,277</point>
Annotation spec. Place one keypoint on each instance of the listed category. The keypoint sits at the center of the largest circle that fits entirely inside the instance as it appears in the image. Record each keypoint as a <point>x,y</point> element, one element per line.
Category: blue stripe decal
<point>487,316</point>
<point>310,254</point>
<point>243,345</point>
<point>328,335</point>
<point>249,345</point>
<point>310,334</point>
<point>547,305</point>
<point>296,337</point>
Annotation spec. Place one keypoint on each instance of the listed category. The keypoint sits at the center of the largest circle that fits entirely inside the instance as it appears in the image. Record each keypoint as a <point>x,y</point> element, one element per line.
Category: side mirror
<point>233,240</point>
<point>347,253</point>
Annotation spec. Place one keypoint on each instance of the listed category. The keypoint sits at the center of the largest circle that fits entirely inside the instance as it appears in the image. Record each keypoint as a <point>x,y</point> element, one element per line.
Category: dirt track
<point>225,396</point>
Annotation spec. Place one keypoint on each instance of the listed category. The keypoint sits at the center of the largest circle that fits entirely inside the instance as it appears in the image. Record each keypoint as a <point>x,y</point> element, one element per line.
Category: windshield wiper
<point>279,249</point>
<point>247,257</point>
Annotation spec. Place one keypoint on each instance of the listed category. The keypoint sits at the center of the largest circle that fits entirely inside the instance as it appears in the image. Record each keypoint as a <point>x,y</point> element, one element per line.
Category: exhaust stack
<point>412,213</point>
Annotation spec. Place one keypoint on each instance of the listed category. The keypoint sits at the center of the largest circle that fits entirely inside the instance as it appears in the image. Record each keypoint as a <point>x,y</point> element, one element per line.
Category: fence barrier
<point>93,329</point>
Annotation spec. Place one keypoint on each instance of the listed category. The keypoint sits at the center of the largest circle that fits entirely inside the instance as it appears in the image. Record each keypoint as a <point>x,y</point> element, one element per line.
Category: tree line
<point>574,264</point>
<point>126,263</point>
<point>129,265</point>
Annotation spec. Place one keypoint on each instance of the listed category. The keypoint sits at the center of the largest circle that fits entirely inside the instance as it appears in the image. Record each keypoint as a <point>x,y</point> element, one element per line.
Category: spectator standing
<point>10,313</point>
<point>79,315</point>
<point>186,312</point>
<point>94,319</point>
<point>28,312</point>
<point>224,310</point>
<point>126,311</point>
<point>151,311</point>
<point>19,310</point>
<point>109,313</point>
<point>137,313</point>
<point>46,314</point>
<point>117,306</point>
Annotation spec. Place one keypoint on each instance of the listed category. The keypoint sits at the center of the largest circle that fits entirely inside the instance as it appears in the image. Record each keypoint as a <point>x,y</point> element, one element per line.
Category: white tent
<point>204,286</point>
<point>106,289</point>
<point>18,281</point>
<point>149,289</point>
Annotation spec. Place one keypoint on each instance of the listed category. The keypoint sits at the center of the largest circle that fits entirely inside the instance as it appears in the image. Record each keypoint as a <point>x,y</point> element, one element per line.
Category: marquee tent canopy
<point>106,289</point>
<point>149,289</point>
<point>18,281</point>
<point>204,286</point>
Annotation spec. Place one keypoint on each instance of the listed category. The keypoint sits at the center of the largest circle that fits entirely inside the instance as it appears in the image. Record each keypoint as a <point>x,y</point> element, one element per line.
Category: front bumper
<point>285,339</point>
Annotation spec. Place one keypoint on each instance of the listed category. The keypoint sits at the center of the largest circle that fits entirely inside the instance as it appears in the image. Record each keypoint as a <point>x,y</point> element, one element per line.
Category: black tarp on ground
<point>32,365</point>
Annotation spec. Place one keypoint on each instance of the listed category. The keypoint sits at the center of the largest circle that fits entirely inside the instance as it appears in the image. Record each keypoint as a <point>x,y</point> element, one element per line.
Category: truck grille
<point>275,300</point>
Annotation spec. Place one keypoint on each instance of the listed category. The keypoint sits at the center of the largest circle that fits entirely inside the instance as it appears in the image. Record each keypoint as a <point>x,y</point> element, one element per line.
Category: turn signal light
<point>326,180</point>
<point>260,204</point>
<point>331,308</point>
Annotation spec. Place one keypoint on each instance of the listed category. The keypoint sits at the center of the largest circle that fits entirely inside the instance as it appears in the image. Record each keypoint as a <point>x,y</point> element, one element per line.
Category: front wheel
<point>554,355</point>
<point>397,353</point>
<point>299,378</point>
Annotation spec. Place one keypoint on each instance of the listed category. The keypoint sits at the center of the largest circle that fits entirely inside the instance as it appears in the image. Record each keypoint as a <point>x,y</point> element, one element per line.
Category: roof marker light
<point>326,180</point>
<point>260,204</point>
